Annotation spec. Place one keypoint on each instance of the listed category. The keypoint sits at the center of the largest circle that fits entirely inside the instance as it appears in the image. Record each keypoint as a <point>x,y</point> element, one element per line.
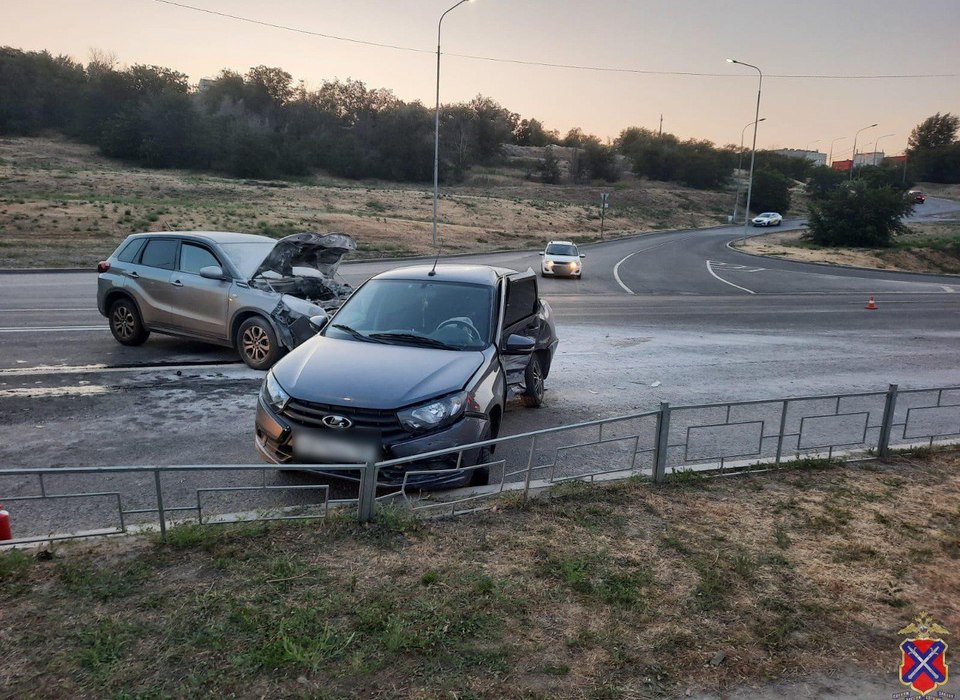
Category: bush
<point>549,168</point>
<point>771,192</point>
<point>859,214</point>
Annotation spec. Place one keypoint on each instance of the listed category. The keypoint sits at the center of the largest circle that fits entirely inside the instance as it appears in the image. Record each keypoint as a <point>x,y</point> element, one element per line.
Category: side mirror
<point>319,321</point>
<point>520,345</point>
<point>212,272</point>
<point>541,252</point>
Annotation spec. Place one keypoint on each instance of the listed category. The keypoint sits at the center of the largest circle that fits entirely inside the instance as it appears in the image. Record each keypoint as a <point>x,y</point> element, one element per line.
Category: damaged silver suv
<point>252,293</point>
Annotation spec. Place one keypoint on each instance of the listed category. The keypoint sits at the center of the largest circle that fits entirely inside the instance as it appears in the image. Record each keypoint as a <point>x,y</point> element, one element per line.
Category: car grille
<point>312,414</point>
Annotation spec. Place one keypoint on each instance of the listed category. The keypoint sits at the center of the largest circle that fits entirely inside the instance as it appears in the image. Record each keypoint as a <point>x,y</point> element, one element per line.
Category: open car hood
<point>318,251</point>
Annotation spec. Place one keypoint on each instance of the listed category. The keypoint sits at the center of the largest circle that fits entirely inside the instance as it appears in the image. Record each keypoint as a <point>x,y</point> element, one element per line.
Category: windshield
<point>446,315</point>
<point>562,249</point>
<point>247,257</point>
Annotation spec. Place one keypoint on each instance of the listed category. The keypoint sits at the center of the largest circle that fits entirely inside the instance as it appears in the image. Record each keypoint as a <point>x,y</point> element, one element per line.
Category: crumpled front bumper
<point>274,437</point>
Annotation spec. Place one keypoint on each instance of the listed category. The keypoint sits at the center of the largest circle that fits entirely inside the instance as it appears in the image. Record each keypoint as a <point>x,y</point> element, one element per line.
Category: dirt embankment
<point>616,591</point>
<point>929,247</point>
<point>61,204</point>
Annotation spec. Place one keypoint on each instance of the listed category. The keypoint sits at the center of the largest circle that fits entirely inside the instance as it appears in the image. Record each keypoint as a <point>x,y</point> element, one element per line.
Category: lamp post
<point>839,138</point>
<point>753,149</point>
<point>736,202</point>
<point>853,158</point>
<point>876,146</point>
<point>436,134</point>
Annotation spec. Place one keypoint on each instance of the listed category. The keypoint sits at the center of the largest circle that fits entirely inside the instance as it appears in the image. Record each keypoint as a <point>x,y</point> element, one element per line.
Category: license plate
<point>327,447</point>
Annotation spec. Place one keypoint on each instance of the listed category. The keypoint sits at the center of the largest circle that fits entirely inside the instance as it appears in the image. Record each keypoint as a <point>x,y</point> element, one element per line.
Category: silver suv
<point>253,293</point>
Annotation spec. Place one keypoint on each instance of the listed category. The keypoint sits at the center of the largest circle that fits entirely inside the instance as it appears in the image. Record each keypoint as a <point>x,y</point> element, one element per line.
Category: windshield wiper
<point>355,333</point>
<point>415,340</point>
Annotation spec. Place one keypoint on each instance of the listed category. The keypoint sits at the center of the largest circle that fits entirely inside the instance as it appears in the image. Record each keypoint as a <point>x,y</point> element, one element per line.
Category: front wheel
<point>533,377</point>
<point>257,343</point>
<point>126,324</point>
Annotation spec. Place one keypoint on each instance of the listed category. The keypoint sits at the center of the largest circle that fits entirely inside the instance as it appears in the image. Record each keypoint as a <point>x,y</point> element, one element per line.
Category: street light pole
<point>736,202</point>
<point>839,138</point>
<point>753,150</point>
<point>876,146</point>
<point>853,158</point>
<point>436,132</point>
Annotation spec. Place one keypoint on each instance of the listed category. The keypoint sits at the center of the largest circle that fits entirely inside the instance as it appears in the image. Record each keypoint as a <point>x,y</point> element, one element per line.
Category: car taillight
<point>103,266</point>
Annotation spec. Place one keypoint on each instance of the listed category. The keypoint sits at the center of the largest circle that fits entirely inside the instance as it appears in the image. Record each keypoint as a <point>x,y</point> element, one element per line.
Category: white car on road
<point>561,258</point>
<point>770,218</point>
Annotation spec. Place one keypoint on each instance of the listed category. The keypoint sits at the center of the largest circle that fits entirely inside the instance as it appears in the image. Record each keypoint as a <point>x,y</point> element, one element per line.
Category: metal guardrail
<point>745,435</point>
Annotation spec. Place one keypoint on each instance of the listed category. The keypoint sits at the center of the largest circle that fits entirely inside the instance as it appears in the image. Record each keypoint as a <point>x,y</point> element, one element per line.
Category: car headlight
<point>272,393</point>
<point>548,263</point>
<point>435,414</point>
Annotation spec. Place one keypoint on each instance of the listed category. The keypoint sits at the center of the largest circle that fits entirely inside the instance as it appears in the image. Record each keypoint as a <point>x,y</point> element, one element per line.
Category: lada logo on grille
<point>337,422</point>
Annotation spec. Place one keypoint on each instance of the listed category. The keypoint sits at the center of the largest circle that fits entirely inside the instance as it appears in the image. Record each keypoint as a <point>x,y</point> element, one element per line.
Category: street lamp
<point>839,138</point>
<point>876,146</point>
<point>853,158</point>
<point>736,202</point>
<point>436,135</point>
<point>753,150</point>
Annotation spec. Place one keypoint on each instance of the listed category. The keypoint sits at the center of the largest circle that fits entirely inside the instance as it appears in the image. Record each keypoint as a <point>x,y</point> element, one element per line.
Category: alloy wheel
<point>256,343</point>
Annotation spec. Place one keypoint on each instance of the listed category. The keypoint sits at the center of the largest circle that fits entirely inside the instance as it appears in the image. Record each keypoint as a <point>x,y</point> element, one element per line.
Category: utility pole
<point>660,133</point>
<point>603,210</point>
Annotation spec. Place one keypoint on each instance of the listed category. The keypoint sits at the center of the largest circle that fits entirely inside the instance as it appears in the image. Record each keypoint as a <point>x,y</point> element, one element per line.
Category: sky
<point>782,37</point>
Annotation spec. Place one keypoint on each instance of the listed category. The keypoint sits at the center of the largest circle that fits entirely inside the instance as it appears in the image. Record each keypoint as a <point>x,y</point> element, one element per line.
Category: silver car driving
<point>252,293</point>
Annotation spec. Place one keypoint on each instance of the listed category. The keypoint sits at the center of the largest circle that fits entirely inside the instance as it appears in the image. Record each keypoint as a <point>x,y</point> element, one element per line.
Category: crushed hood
<point>318,251</point>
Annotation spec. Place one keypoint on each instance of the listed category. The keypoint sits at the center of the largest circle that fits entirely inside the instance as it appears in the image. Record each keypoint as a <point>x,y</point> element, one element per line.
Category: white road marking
<point>616,272</point>
<point>947,288</point>
<point>58,329</point>
<point>710,270</point>
<point>48,370</point>
<point>23,311</point>
<point>42,392</point>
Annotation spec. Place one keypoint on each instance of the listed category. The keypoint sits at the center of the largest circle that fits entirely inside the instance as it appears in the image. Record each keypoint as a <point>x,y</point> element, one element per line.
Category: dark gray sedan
<point>253,293</point>
<point>418,359</point>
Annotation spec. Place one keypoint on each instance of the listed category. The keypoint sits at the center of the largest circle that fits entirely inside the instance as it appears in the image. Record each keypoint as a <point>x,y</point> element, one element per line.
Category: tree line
<point>262,124</point>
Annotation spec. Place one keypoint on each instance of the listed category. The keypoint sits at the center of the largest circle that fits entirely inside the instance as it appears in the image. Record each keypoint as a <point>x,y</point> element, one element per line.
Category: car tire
<point>126,324</point>
<point>532,397</point>
<point>257,343</point>
<point>481,476</point>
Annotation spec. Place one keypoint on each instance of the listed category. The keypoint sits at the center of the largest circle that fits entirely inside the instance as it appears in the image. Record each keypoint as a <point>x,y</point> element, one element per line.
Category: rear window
<point>131,250</point>
<point>160,253</point>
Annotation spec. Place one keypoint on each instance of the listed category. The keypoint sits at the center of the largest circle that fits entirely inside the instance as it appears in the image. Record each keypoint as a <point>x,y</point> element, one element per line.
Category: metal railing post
<point>526,480</point>
<point>783,427</point>
<point>889,407</point>
<point>368,493</point>
<point>160,512</point>
<point>663,440</point>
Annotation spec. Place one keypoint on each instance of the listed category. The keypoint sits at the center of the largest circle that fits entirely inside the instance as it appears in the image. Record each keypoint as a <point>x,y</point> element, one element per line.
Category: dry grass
<point>929,247</point>
<point>62,205</point>
<point>599,592</point>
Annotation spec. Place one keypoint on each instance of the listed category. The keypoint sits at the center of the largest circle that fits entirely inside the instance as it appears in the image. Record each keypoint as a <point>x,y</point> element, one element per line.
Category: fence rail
<point>758,434</point>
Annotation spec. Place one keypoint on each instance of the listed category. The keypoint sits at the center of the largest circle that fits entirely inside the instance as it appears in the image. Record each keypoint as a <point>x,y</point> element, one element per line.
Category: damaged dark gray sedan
<point>252,293</point>
<point>418,359</point>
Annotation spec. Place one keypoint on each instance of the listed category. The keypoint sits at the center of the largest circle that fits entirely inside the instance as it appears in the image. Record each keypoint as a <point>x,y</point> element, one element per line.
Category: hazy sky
<point>846,37</point>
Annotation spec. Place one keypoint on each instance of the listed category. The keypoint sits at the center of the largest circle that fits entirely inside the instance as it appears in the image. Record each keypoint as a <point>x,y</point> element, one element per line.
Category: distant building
<point>842,165</point>
<point>872,158</point>
<point>815,157</point>
<point>205,84</point>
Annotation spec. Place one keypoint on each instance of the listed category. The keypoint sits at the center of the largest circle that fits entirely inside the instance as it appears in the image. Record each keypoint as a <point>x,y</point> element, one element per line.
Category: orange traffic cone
<point>871,305</point>
<point>5,532</point>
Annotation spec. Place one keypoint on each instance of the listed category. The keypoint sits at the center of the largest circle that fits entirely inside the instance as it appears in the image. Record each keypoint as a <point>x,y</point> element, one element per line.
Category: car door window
<point>521,300</point>
<point>193,257</point>
<point>161,253</point>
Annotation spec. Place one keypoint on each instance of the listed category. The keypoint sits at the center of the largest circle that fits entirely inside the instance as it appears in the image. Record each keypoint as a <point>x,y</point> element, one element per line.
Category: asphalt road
<point>673,316</point>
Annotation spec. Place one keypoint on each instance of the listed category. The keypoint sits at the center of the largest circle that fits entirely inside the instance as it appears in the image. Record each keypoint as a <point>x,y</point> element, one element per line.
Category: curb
<point>831,266</point>
<point>47,270</point>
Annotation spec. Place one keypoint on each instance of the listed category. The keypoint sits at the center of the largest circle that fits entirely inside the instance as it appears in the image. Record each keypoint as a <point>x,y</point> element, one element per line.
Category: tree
<point>859,214</point>
<point>771,191</point>
<point>933,152</point>
<point>530,132</point>
<point>824,180</point>
<point>549,167</point>
<point>934,132</point>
